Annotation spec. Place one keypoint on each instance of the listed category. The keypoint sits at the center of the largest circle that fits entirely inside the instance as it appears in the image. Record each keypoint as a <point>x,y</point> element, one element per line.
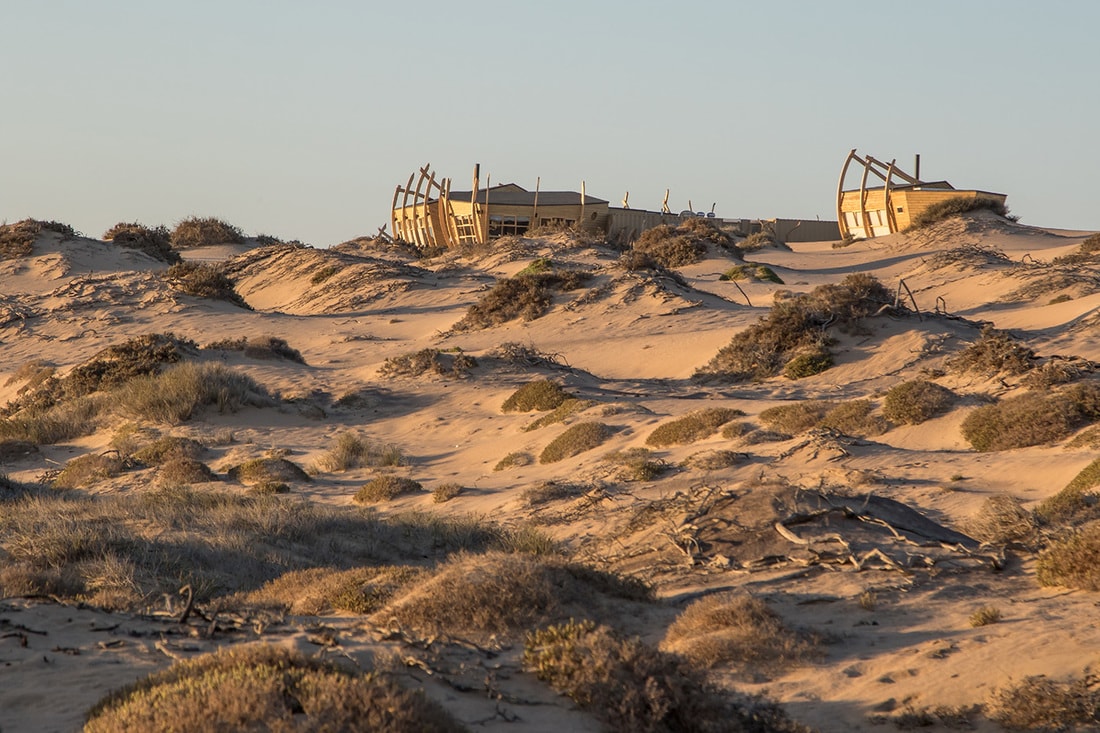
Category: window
<point>503,226</point>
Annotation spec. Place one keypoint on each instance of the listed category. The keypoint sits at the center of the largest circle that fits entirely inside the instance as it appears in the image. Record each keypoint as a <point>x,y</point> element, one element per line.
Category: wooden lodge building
<point>867,212</point>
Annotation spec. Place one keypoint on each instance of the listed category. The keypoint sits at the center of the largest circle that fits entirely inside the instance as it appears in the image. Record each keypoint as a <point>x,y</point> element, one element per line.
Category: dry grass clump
<point>734,430</point>
<point>204,232</point>
<point>985,616</point>
<point>671,247</point>
<point>539,394</point>
<point>1032,418</point>
<point>955,206</point>
<point>32,373</point>
<point>526,296</point>
<point>575,440</point>
<point>514,459</point>
<point>262,470</point>
<point>264,687</point>
<point>87,470</point>
<point>53,424</point>
<point>17,240</point>
<point>502,594</point>
<point>795,326</point>
<point>1002,520</point>
<point>754,272</point>
<point>168,448</point>
<point>758,241</point>
<point>153,241</point>
<point>178,393</point>
<point>797,417</point>
<point>715,460</point>
<point>320,591</point>
<point>1085,252</point>
<point>201,280</point>
<point>1076,501</point>
<point>183,471</point>
<point>636,464</point>
<point>545,492</point>
<point>1040,703</point>
<point>632,687</point>
<point>384,488</point>
<point>259,347</point>
<point>428,361</point>
<point>856,417</point>
<point>1073,562</point>
<point>914,402</point>
<point>738,631</point>
<point>694,426</point>
<point>994,352</point>
<point>323,273</point>
<point>352,451</point>
<point>444,492</point>
<point>561,413</point>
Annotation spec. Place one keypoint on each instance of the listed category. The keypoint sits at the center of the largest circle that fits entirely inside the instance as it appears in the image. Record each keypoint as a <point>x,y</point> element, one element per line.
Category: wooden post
<point>485,230</point>
<point>535,208</point>
<point>664,204</point>
<point>581,223</point>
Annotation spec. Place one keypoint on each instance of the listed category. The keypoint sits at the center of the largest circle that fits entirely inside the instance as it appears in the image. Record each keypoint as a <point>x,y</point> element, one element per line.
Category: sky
<point>298,120</point>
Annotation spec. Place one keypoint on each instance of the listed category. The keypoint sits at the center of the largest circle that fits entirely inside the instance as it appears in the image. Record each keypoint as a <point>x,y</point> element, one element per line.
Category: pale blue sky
<point>298,119</point>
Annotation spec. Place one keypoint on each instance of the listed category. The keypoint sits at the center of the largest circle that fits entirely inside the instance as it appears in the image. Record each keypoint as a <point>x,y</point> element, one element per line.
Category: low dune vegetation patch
<point>183,471</point>
<point>560,414</point>
<point>1072,562</point>
<point>354,451</point>
<point>204,232</point>
<point>202,280</point>
<point>1003,520</point>
<point>447,491</point>
<point>89,470</point>
<point>168,448</point>
<point>955,206</point>
<point>714,460</point>
<point>387,487</point>
<point>179,393</point>
<point>527,296</point>
<point>794,326</point>
<point>1042,704</point>
<point>694,426</point>
<point>575,440</point>
<point>636,464</point>
<point>546,492</point>
<point>756,273</point>
<point>17,240</point>
<point>1085,252</point>
<point>1032,418</point>
<point>153,241</point>
<point>916,401</point>
<point>319,591</point>
<point>538,394</point>
<point>259,347</point>
<point>264,687</point>
<point>1076,502</point>
<point>428,361</point>
<point>671,246</point>
<point>267,470</point>
<point>515,459</point>
<point>856,417</point>
<point>323,273</point>
<point>994,352</point>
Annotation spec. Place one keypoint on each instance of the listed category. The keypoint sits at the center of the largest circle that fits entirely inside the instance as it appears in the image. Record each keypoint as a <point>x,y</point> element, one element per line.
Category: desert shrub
<point>794,326</point>
<point>911,403</point>
<point>514,460</point>
<point>540,394</point>
<point>994,352</point>
<point>1073,562</point>
<point>182,471</point>
<point>499,593</point>
<point>1002,520</point>
<point>260,470</point>
<point>352,451</point>
<point>636,464</point>
<point>757,241</point>
<point>17,240</point>
<point>985,616</point>
<point>1075,501</point>
<point>714,460</point>
<point>87,470</point>
<point>178,393</point>
<point>168,448</point>
<point>204,232</point>
<point>758,273</point>
<point>737,631</point>
<point>202,280</point>
<point>523,296</point>
<point>323,273</point>
<point>446,491</point>
<point>32,373</point>
<point>264,687</point>
<point>671,247</point>
<point>733,430</point>
<point>630,686</point>
<point>706,230</point>
<point>384,488</point>
<point>545,492</point>
<point>259,347</point>
<point>694,426</point>
<point>633,261</point>
<point>1040,703</point>
<point>153,241</point>
<point>54,424</point>
<point>813,361</point>
<point>941,717</point>
<point>13,450</point>
<point>318,591</point>
<point>561,413</point>
<point>575,440</point>
<point>427,361</point>
<point>1030,419</point>
<point>855,417</point>
<point>955,206</point>
<point>797,417</point>
<point>268,488</point>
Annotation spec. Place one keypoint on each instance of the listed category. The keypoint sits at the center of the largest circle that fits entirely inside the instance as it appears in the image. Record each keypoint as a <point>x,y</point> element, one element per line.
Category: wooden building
<point>872,211</point>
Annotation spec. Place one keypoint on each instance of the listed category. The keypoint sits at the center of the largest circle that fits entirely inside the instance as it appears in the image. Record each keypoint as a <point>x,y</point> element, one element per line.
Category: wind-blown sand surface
<point>890,612</point>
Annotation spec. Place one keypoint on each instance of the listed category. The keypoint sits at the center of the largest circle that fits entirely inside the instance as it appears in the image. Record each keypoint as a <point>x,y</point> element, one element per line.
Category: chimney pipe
<point>916,173</point>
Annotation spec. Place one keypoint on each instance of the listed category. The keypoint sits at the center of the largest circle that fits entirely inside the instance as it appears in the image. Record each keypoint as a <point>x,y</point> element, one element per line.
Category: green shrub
<point>1073,562</point>
<point>155,242</point>
<point>694,426</point>
<point>797,417</point>
<point>324,273</point>
<point>1031,419</point>
<point>914,402</point>
<point>955,206</point>
<point>204,232</point>
<point>758,273</point>
<point>384,488</point>
<point>264,687</point>
<point>259,347</point>
<point>855,417</point>
<point>540,394</point>
<point>807,364</point>
<point>575,440</point>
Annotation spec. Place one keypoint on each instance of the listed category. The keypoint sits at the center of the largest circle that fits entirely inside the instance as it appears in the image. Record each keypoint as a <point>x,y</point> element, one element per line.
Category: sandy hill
<point>856,480</point>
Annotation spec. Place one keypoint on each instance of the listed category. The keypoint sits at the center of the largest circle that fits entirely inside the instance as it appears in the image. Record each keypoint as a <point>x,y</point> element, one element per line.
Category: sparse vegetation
<point>694,426</point>
<point>955,206</point>
<point>671,247</point>
<point>153,241</point>
<point>446,491</point>
<point>636,464</point>
<point>352,451</point>
<point>575,440</point>
<point>1032,418</point>
<point>318,591</point>
<point>994,352</point>
<point>797,417</point>
<point>514,460</point>
<point>178,393</point>
<point>757,273</point>
<point>385,488</point>
<point>540,394</point>
<point>1077,501</point>
<point>17,240</point>
<point>813,361</point>
<point>523,296</point>
<point>428,361</point>
<point>259,347</point>
<point>545,492</point>
<point>914,402</point>
<point>168,448</point>
<point>1002,520</point>
<point>323,273</point>
<point>1040,703</point>
<point>985,616</point>
<point>561,413</point>
<point>855,417</point>
<point>201,280</point>
<point>183,471</point>
<point>267,470</point>
<point>204,232</point>
<point>1073,562</point>
<point>714,460</point>
<point>87,470</point>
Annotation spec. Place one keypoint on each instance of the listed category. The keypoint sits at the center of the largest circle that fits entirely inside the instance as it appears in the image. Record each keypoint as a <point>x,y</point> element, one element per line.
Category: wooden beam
<point>535,207</point>
<point>891,219</point>
<point>863,198</point>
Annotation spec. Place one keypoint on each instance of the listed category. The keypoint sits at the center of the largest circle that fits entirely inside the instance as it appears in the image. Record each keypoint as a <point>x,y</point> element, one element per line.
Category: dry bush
<point>17,240</point>
<point>734,430</point>
<point>911,403</point>
<point>634,688</point>
<point>1073,562</point>
<point>384,488</point>
<point>1039,703</point>
<point>268,488</point>
<point>694,426</point>
<point>259,347</point>
<point>182,471</point>
<point>264,687</point>
<point>671,247</point>
<point>540,394</point>
<point>166,449</point>
<point>351,451</point>
<point>503,594</point>
<point>1032,418</point>
<point>1056,371</point>
<point>54,424</point>
<point>754,272</point>
<point>321,591</point>
<point>738,631</point>
<point>545,492</point>
<point>797,417</point>
<point>32,373</point>
<point>1085,252</point>
<point>514,460</point>
<point>1002,520</point>
<point>715,460</point>
<point>153,241</point>
<point>855,417</point>
<point>758,241</point>
<point>794,326</point>
<point>985,616</point>
<point>575,440</point>
<point>178,393</point>
<point>1075,502</point>
<point>523,296</point>
<point>428,361</point>
<point>444,492</point>
<point>955,206</point>
<point>994,352</point>
<point>261,470</point>
<point>636,464</point>
<point>88,470</point>
<point>204,232</point>
<point>14,450</point>
<point>945,717</point>
<point>203,281</point>
<point>561,413</point>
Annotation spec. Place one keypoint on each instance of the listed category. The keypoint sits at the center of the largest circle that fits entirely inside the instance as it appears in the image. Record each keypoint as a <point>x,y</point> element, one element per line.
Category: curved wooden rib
<point>405,209</point>
<point>418,238</point>
<point>863,198</point>
<point>393,212</point>
<point>844,233</point>
<point>891,218</point>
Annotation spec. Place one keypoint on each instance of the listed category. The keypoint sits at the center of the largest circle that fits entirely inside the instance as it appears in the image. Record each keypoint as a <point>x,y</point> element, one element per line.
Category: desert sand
<point>889,604</point>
